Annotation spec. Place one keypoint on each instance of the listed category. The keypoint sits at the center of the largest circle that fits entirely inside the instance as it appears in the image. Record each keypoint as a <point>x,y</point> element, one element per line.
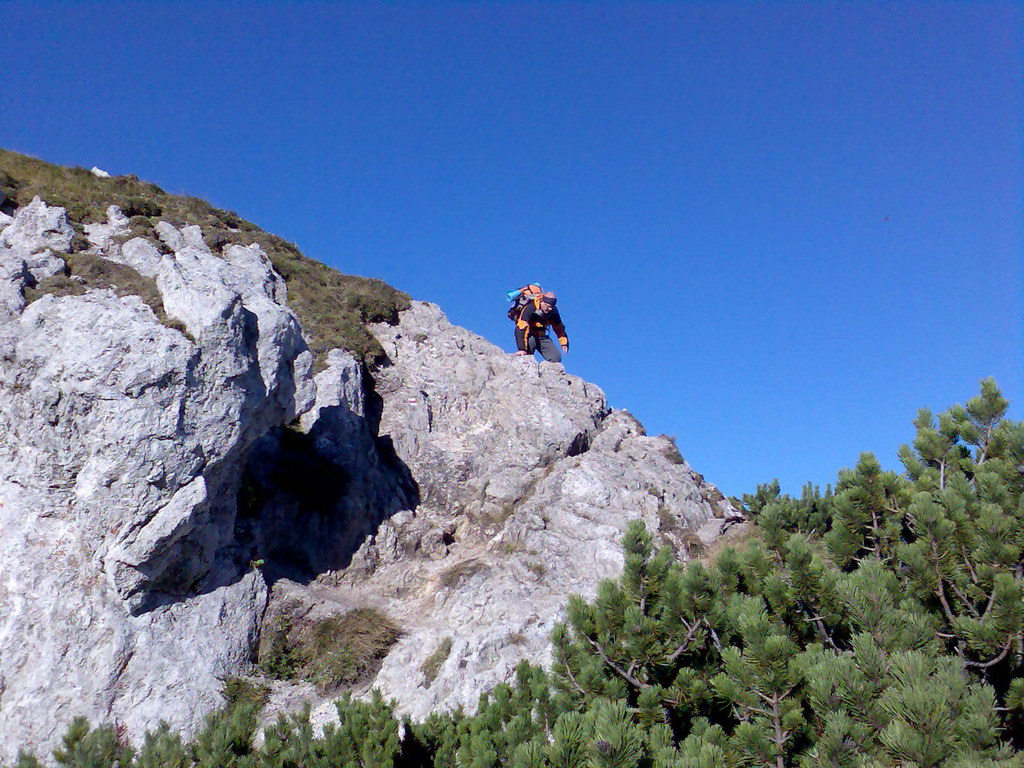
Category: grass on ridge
<point>332,307</point>
<point>83,271</point>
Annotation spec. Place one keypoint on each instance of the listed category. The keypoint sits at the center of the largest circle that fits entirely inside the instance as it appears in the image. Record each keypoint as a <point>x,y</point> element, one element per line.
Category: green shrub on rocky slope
<point>333,308</point>
<point>877,626</point>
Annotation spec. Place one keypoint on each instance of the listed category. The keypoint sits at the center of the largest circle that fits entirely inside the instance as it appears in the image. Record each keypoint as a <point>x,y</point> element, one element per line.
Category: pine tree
<point>27,760</point>
<point>530,754</point>
<point>569,749</point>
<point>366,735</point>
<point>84,747</point>
<point>641,635</point>
<point>616,741</point>
<point>162,748</point>
<point>964,553</point>
<point>936,716</point>
<point>760,681</point>
<point>776,512</point>
<point>226,740</point>
<point>873,602</point>
<point>705,747</point>
<point>866,513</point>
<point>937,451</point>
<point>290,742</point>
<point>433,743</point>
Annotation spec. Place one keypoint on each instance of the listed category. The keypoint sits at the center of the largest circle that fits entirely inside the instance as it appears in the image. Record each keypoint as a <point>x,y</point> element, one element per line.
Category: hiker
<point>532,328</point>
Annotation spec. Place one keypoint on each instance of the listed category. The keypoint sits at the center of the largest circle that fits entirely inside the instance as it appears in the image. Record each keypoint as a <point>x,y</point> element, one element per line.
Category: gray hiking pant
<point>547,347</point>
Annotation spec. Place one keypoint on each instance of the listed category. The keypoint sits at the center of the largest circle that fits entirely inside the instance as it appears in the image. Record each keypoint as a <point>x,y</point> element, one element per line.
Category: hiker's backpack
<point>520,297</point>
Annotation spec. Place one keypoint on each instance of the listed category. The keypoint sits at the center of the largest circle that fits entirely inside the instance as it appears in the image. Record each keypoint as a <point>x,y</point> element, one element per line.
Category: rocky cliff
<point>174,477</point>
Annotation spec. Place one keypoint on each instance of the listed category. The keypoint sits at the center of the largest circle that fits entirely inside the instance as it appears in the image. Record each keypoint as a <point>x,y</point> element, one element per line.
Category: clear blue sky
<point>777,229</point>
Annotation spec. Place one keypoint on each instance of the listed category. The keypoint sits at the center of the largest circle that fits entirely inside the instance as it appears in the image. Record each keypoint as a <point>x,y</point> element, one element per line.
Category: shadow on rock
<point>308,501</point>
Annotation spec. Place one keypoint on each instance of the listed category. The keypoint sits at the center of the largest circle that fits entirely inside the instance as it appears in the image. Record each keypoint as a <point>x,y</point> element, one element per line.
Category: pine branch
<point>875,527</point>
<point>572,679</point>
<point>756,710</point>
<point>945,604</point>
<point>618,670</point>
<point>992,662</point>
<point>780,736</point>
<point>819,622</point>
<point>942,590</point>
<point>968,604</point>
<point>775,698</point>
<point>690,632</point>
<point>714,637</point>
<point>984,444</point>
<point>991,602</point>
<point>970,566</point>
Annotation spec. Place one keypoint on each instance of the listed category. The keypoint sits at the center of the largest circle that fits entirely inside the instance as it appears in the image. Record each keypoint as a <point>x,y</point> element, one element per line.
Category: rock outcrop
<point>33,236</point>
<point>122,442</point>
<point>526,483</point>
<point>169,483</point>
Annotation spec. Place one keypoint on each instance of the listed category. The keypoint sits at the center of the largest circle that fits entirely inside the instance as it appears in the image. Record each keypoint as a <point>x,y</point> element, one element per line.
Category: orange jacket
<point>533,322</point>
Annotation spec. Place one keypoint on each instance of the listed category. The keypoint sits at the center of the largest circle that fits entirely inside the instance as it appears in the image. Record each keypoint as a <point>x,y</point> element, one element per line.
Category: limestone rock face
<point>102,234</point>
<point>14,278</point>
<point>477,426</point>
<point>36,231</point>
<point>526,483</point>
<point>123,593</point>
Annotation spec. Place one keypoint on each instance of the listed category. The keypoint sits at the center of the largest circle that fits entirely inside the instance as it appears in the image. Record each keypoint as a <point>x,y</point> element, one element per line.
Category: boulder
<point>38,227</point>
<point>102,234</point>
